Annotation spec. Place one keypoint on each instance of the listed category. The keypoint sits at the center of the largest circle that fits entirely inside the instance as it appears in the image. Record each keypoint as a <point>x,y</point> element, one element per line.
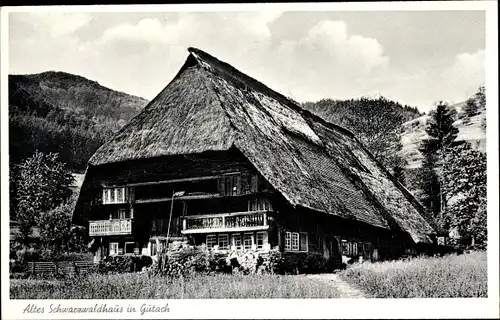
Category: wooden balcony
<point>110,227</point>
<point>226,222</point>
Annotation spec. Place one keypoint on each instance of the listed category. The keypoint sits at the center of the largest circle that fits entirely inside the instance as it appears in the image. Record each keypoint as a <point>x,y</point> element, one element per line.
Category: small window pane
<point>122,213</point>
<point>247,241</point>
<point>113,248</point>
<point>153,248</point>
<point>112,196</point>
<point>345,248</point>
<point>223,242</point>
<point>119,194</point>
<point>260,240</point>
<point>211,240</point>
<point>237,241</point>
<point>295,241</point>
<point>288,240</point>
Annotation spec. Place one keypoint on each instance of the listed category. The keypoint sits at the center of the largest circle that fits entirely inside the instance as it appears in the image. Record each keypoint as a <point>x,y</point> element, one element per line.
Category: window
<point>153,249</point>
<point>113,195</point>
<point>247,241</point>
<point>129,247</point>
<point>120,214</point>
<point>288,241</point>
<point>236,241</point>
<point>113,248</point>
<point>120,197</point>
<point>303,242</point>
<point>223,242</point>
<point>259,204</point>
<point>211,240</point>
<point>261,240</point>
<point>350,248</point>
<point>296,241</point>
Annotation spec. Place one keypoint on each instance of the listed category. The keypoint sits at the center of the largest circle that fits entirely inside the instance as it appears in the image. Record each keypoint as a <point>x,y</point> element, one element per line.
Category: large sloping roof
<point>211,106</point>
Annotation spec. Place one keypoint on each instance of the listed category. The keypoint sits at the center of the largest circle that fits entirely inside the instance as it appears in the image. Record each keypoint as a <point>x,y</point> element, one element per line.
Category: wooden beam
<point>192,179</point>
<point>196,197</point>
<point>218,230</point>
<point>218,215</point>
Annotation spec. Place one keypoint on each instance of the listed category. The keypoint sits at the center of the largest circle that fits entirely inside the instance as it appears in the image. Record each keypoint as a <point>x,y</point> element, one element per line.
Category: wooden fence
<point>66,268</point>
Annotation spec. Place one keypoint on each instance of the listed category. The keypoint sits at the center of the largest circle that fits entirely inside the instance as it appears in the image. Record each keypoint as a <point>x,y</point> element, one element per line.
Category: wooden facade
<point>230,207</point>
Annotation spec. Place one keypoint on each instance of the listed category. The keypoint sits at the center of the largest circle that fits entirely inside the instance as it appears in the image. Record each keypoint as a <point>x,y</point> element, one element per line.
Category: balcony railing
<point>238,221</point>
<point>110,227</point>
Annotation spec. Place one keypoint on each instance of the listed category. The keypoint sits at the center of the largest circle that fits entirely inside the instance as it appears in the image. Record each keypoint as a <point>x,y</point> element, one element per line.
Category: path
<point>346,290</point>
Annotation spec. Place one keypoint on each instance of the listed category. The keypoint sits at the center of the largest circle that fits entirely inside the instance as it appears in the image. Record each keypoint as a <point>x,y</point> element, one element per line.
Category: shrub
<point>122,264</point>
<point>273,262</point>
<point>76,256</point>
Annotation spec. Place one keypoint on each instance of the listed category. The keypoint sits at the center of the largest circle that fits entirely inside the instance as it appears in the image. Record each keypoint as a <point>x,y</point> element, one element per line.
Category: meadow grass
<point>423,277</point>
<point>142,286</point>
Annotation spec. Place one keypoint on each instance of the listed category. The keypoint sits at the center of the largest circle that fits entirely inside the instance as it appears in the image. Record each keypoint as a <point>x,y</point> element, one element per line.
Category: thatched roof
<point>211,106</point>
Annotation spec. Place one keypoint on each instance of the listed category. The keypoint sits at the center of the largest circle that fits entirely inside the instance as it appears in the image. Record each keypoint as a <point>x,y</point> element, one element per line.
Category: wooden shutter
<point>303,241</point>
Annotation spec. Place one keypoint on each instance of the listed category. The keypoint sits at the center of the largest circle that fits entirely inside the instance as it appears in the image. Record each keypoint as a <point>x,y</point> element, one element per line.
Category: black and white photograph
<point>250,160</point>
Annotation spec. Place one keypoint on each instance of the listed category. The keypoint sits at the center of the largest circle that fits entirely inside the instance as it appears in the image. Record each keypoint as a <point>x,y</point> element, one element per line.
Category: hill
<point>471,129</point>
<point>375,121</point>
<point>64,113</point>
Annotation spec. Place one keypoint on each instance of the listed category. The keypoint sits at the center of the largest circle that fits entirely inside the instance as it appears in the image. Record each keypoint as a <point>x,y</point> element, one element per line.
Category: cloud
<point>467,72</point>
<point>59,24</point>
<point>328,60</point>
<point>322,58</point>
<point>194,27</point>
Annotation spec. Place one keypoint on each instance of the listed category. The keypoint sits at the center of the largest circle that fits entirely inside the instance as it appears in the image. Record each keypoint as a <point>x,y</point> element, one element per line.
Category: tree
<point>376,122</point>
<point>43,182</point>
<point>429,185</point>
<point>465,188</point>
<point>471,108</point>
<point>57,234</point>
<point>481,97</point>
<point>442,134</point>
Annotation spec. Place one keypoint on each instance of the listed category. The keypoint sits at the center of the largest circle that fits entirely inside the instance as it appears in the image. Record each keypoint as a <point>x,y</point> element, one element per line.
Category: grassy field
<point>140,286</point>
<point>450,276</point>
<point>447,277</point>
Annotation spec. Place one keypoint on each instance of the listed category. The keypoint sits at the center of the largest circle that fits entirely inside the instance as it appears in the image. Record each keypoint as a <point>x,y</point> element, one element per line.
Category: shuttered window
<point>296,241</point>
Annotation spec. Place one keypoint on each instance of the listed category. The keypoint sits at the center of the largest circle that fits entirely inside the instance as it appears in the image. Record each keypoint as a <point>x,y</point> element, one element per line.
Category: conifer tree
<point>442,134</point>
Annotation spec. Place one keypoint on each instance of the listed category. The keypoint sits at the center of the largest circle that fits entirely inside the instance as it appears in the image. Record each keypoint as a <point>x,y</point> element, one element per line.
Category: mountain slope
<point>471,129</point>
<point>64,113</point>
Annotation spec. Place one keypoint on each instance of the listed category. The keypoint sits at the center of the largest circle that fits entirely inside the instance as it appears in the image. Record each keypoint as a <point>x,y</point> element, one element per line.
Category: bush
<point>122,264</point>
<point>273,262</point>
<point>190,260</point>
<point>76,256</point>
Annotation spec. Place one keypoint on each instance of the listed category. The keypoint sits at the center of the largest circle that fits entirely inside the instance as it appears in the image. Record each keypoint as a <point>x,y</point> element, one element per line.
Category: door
<point>331,252</point>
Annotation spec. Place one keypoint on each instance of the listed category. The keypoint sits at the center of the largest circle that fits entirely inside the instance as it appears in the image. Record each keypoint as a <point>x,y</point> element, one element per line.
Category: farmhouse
<point>219,159</point>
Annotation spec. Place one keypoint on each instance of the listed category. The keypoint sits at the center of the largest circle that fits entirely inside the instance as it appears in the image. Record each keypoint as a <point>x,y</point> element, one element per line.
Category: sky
<point>413,57</point>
